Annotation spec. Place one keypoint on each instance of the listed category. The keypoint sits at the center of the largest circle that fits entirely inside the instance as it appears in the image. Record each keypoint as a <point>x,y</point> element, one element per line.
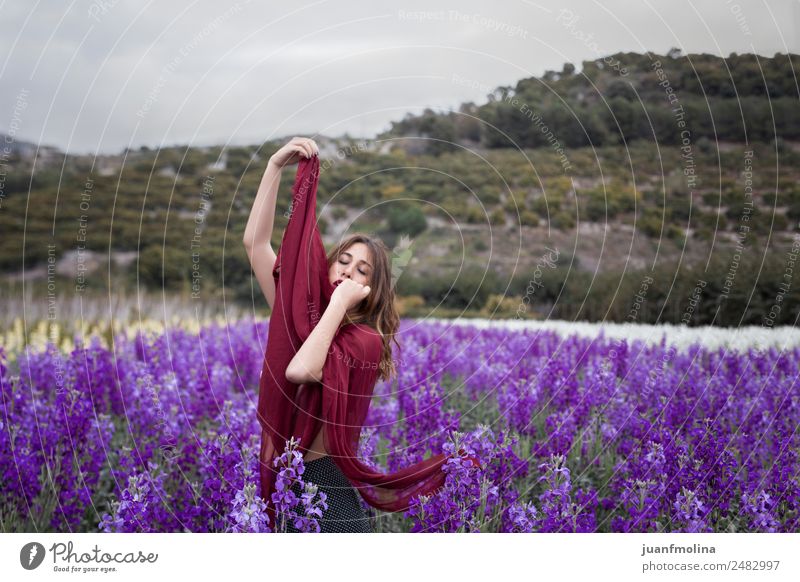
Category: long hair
<point>378,309</point>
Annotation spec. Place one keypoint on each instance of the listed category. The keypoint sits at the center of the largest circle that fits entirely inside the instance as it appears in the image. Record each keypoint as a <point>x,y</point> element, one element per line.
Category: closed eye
<point>359,270</point>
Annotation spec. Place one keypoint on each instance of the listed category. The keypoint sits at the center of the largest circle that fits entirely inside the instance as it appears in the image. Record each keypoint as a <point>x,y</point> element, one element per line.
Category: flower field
<point>156,431</point>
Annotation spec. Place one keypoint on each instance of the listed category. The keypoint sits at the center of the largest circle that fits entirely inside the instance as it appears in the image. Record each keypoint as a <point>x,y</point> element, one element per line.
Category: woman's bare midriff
<point>317,448</point>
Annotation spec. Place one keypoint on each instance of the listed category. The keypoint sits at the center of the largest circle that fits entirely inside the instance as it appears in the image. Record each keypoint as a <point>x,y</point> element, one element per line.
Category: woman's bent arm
<point>306,366</point>
<point>258,232</point>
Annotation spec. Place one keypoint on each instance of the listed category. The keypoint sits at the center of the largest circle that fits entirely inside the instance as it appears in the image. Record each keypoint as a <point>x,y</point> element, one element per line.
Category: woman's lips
<point>337,282</point>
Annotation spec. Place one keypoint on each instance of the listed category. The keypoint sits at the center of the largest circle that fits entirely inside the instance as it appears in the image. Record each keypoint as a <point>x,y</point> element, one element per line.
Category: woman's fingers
<point>309,146</point>
<point>305,146</point>
<point>300,149</point>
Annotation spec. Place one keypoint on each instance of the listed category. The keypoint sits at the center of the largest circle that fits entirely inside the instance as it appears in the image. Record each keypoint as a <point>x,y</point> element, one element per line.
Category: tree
<point>161,267</point>
<point>406,219</point>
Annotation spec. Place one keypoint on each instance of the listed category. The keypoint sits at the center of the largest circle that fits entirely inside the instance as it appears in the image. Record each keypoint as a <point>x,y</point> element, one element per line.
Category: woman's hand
<point>307,364</point>
<point>291,152</point>
<point>349,293</point>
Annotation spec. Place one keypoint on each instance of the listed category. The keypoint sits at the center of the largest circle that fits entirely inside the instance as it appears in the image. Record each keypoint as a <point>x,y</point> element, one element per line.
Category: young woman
<point>333,316</point>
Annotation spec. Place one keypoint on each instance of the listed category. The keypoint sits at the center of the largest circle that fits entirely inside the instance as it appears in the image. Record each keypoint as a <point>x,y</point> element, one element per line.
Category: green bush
<point>480,245</point>
<point>475,215</point>
<point>529,218</point>
<point>498,217</point>
<point>166,268</point>
<point>407,219</point>
<point>564,220</point>
<point>651,223</point>
<point>460,290</point>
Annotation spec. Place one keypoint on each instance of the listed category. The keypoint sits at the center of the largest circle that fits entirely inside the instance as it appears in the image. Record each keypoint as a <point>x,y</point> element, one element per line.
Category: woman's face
<point>352,263</point>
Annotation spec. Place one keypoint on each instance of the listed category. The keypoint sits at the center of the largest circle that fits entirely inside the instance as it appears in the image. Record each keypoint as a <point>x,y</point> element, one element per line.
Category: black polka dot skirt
<point>345,513</point>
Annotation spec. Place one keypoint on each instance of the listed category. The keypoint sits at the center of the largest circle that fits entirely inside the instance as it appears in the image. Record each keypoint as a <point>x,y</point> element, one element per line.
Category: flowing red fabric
<point>339,404</point>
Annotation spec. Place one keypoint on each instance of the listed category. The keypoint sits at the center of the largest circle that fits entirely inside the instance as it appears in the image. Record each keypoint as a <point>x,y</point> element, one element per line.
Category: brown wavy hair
<point>378,310</point>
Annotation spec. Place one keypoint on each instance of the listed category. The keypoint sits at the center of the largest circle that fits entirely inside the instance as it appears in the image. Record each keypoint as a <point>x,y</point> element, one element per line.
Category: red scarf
<point>340,402</point>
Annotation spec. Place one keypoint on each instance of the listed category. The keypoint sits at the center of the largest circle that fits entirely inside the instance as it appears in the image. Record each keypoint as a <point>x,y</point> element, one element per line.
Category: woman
<point>331,323</point>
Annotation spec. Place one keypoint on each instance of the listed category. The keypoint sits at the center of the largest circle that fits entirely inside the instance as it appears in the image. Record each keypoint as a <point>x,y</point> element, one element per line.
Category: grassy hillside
<point>483,216</point>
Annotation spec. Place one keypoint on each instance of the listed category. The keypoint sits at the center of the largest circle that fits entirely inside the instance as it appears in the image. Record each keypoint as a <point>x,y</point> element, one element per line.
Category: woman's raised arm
<point>258,232</point>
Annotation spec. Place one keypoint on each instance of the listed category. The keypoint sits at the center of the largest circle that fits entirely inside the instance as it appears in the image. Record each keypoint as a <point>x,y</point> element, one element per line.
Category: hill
<point>635,173</point>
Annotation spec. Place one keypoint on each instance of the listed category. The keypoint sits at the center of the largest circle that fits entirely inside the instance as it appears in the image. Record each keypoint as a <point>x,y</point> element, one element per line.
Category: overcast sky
<point>97,76</point>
